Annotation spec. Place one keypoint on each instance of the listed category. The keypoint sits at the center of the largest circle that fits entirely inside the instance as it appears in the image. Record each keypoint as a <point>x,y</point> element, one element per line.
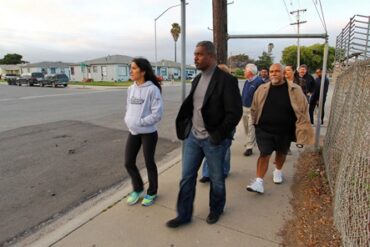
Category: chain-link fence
<point>346,153</point>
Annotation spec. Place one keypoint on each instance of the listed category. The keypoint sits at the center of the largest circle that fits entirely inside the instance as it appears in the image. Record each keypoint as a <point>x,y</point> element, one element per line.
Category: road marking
<point>55,95</point>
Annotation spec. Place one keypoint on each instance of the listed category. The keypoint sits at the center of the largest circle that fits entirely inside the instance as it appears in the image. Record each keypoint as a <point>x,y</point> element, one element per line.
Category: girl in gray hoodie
<point>144,109</point>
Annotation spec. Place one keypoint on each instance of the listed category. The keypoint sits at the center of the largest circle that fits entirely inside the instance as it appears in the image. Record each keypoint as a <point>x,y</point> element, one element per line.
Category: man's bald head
<point>276,74</point>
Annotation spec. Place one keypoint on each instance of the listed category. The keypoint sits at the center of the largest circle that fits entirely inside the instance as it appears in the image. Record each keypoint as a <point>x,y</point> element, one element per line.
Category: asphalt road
<point>61,146</point>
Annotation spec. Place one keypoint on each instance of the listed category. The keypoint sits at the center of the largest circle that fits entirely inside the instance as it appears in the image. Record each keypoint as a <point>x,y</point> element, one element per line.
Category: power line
<point>286,8</point>
<point>322,12</point>
<point>321,18</point>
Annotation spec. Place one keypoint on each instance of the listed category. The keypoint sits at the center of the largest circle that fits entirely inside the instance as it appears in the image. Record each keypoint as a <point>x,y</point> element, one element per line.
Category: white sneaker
<point>256,186</point>
<point>277,176</point>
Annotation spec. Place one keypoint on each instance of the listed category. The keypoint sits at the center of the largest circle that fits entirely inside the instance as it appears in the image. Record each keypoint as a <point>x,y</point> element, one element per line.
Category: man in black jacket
<point>205,121</point>
<point>314,99</point>
<point>306,81</point>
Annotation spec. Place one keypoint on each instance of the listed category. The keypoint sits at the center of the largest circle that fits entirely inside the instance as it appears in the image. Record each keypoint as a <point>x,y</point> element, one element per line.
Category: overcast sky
<point>77,30</point>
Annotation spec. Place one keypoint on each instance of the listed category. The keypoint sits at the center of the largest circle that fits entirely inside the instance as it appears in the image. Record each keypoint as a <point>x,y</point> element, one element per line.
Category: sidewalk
<point>249,219</point>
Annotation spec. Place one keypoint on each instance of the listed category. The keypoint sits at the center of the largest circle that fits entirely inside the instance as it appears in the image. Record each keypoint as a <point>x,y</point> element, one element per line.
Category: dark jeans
<point>227,160</point>
<point>133,144</point>
<point>194,152</point>
<point>311,110</point>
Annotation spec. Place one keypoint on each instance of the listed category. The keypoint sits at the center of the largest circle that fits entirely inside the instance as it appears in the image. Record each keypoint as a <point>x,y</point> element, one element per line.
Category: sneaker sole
<point>133,203</point>
<point>147,205</point>
<point>150,204</point>
<point>252,190</point>
<point>278,182</point>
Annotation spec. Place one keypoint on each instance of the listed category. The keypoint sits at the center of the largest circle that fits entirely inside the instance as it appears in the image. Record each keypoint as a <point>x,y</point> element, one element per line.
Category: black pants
<point>311,109</point>
<point>133,144</point>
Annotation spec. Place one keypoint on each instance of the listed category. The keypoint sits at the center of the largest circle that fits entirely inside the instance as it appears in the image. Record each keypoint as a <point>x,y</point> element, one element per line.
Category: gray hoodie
<point>144,108</point>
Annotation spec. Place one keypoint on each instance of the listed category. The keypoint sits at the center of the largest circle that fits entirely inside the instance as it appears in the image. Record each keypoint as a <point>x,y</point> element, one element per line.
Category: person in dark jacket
<point>305,80</point>
<point>314,99</point>
<point>205,122</point>
<point>264,74</point>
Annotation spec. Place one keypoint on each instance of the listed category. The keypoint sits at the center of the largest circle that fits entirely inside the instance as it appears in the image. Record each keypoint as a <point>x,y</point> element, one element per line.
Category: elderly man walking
<point>205,122</point>
<point>250,86</point>
<point>280,114</point>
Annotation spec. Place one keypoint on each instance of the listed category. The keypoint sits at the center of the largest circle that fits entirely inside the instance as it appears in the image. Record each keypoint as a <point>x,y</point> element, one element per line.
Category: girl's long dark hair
<point>144,65</point>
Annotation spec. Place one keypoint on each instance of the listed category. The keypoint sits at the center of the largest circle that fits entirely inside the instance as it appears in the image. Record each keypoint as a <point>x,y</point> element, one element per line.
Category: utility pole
<point>298,11</point>
<point>220,29</point>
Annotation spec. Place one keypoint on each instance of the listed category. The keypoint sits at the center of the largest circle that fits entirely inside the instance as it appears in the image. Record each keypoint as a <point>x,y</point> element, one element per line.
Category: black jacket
<point>307,83</point>
<point>316,93</point>
<point>221,110</point>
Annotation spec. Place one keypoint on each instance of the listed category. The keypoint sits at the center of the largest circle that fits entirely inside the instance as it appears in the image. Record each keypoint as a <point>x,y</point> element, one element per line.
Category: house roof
<point>10,66</point>
<point>46,64</point>
<point>110,59</point>
<point>170,64</point>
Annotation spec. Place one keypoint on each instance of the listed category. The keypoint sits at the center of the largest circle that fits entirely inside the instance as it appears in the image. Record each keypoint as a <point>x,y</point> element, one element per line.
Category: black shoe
<point>204,179</point>
<point>176,222</point>
<point>248,152</point>
<point>212,218</point>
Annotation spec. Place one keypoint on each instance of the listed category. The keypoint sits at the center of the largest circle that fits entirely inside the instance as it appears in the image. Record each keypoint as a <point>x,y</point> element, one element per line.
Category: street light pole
<point>155,30</point>
<point>183,48</point>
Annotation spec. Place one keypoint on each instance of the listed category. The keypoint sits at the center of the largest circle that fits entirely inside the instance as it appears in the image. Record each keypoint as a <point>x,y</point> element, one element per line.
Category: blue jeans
<point>194,152</point>
<point>227,159</point>
<point>226,165</point>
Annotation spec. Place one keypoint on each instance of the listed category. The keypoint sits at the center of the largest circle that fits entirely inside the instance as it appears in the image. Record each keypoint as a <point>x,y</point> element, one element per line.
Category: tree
<point>175,31</point>
<point>239,61</point>
<point>264,61</point>
<point>239,73</point>
<point>12,59</point>
<point>312,56</point>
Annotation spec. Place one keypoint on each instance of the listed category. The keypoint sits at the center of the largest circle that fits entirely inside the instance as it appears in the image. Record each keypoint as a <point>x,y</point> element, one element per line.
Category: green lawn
<point>101,83</point>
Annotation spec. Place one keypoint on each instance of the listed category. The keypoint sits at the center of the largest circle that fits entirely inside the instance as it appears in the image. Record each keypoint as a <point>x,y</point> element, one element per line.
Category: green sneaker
<point>148,200</point>
<point>134,197</point>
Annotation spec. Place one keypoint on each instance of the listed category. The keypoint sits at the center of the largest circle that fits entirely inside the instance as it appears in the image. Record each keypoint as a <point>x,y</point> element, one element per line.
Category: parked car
<point>55,80</point>
<point>10,78</point>
<point>30,79</point>
<point>190,77</point>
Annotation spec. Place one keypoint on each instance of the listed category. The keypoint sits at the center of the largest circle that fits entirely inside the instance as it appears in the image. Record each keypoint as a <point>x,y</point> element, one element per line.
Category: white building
<point>110,68</point>
<point>9,69</point>
<point>47,68</point>
<point>171,70</point>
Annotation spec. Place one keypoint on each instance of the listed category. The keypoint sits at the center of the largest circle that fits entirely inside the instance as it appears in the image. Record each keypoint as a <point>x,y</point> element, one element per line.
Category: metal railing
<point>354,40</point>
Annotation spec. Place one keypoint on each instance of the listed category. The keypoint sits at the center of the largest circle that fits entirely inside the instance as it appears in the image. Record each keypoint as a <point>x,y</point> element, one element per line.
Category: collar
<point>210,70</point>
<point>253,78</point>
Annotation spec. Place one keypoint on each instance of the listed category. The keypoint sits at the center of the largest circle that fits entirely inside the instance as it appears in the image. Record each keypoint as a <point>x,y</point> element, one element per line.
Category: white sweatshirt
<point>144,108</point>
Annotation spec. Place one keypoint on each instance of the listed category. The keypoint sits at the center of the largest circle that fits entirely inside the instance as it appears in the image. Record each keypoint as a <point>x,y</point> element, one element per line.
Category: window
<point>72,70</point>
<point>103,70</point>
<point>52,70</point>
<point>44,71</point>
<point>122,70</point>
<point>95,69</point>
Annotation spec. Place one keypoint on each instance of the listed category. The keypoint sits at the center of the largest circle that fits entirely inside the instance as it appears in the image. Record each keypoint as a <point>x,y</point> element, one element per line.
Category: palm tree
<point>175,31</point>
